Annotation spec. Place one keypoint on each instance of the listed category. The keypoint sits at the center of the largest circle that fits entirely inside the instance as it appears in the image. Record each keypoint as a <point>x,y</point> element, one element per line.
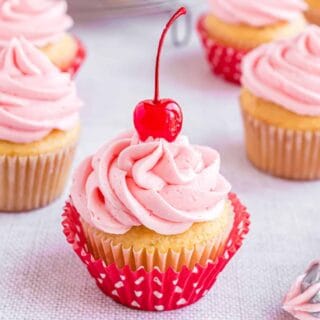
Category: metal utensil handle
<point>187,27</point>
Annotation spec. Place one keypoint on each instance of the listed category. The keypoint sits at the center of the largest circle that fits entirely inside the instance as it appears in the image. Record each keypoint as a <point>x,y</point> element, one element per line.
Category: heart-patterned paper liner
<point>224,61</point>
<point>155,290</point>
<point>78,60</point>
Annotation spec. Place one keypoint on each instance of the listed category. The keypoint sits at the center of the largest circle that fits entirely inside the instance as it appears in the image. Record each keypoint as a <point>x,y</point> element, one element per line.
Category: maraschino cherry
<point>159,118</point>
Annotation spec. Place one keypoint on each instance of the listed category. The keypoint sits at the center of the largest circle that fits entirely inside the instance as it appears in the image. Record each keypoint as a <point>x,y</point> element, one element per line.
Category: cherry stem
<point>178,14</point>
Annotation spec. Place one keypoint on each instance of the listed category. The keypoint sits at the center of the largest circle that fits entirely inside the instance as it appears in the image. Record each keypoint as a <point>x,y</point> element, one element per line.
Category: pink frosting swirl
<point>164,186</point>
<point>287,72</point>
<point>35,97</point>
<point>257,13</point>
<point>41,22</point>
<point>303,298</point>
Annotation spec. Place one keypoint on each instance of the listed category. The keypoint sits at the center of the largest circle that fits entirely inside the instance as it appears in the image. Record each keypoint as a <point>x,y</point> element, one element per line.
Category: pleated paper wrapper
<point>78,60</point>
<point>285,153</point>
<point>224,61</point>
<point>104,248</point>
<point>30,182</point>
<point>156,290</point>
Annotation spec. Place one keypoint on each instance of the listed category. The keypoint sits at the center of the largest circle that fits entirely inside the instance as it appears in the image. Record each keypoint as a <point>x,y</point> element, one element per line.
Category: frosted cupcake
<point>45,23</point>
<point>313,12</point>
<point>280,102</point>
<point>234,27</point>
<point>151,215</point>
<point>153,197</point>
<point>39,126</point>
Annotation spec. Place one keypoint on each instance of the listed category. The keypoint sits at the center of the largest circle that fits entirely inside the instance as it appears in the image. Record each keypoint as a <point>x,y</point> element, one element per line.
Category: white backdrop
<point>40,276</point>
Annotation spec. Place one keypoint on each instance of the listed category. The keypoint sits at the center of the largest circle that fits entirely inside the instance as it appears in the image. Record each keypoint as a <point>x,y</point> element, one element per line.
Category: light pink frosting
<point>287,72</point>
<point>164,186</point>
<point>300,303</point>
<point>39,21</point>
<point>257,13</point>
<point>35,97</point>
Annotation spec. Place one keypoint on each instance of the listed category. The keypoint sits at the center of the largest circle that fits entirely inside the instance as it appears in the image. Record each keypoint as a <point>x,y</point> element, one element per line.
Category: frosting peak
<point>164,186</point>
<point>257,13</point>
<point>41,22</point>
<point>303,299</point>
<point>35,97</point>
<point>287,72</point>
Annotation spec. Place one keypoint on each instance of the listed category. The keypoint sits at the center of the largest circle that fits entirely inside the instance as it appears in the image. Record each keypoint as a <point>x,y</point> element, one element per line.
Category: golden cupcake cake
<point>313,12</point>
<point>234,27</point>
<point>45,23</point>
<point>150,214</point>
<point>39,127</point>
<point>280,103</point>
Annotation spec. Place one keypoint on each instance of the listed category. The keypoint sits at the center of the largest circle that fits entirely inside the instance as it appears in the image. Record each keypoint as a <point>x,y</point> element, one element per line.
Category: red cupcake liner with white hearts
<point>155,290</point>
<point>224,61</point>
<point>78,60</point>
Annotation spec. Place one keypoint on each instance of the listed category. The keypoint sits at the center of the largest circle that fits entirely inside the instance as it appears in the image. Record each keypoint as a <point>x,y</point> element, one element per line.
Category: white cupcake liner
<point>129,256</point>
<point>30,182</point>
<point>286,153</point>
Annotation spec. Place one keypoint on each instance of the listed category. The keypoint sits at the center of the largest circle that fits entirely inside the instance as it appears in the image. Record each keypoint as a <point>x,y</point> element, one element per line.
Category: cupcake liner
<point>110,252</point>
<point>224,61</point>
<point>78,59</point>
<point>155,290</point>
<point>285,153</point>
<point>30,182</point>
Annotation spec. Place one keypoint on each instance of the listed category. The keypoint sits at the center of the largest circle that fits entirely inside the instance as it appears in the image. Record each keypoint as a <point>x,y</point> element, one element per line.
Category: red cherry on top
<point>159,118</point>
<point>162,119</point>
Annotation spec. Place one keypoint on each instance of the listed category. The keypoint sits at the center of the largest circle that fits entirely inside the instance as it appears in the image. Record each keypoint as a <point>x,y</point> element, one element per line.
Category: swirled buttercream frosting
<point>40,21</point>
<point>287,72</point>
<point>35,97</point>
<point>163,186</point>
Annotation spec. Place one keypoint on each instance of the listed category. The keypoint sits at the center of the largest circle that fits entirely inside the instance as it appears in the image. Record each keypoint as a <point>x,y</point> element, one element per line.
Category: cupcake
<point>151,215</point>
<point>313,12</point>
<point>234,27</point>
<point>303,299</point>
<point>280,102</point>
<point>39,127</point>
<point>44,23</point>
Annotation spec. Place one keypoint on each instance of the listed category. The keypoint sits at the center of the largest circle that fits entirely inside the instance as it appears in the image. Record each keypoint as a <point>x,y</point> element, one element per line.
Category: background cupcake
<point>313,12</point>
<point>39,127</point>
<point>44,23</point>
<point>234,27</point>
<point>280,102</point>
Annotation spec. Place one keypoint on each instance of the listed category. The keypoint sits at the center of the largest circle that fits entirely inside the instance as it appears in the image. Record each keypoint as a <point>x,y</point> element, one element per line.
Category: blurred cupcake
<point>39,127</point>
<point>234,27</point>
<point>280,102</point>
<point>313,12</point>
<point>44,23</point>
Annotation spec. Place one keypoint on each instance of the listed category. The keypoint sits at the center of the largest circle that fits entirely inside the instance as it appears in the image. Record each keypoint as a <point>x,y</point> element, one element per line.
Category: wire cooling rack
<point>124,8</point>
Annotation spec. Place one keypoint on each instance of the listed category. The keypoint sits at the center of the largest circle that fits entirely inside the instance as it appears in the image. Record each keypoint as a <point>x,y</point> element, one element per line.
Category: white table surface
<point>41,277</point>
